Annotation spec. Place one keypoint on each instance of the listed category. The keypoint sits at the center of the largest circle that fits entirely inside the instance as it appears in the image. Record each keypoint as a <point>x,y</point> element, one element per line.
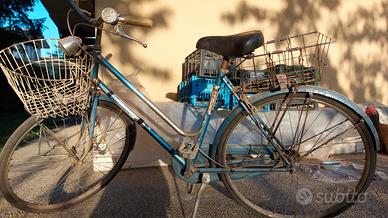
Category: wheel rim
<point>315,188</point>
<point>43,176</point>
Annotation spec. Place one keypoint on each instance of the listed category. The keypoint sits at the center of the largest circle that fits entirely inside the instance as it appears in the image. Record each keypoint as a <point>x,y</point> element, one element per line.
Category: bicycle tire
<point>31,191</point>
<point>276,194</point>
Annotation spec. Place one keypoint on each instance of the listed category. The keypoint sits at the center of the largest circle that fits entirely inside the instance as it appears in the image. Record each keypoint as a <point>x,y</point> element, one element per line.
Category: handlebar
<point>142,22</point>
<point>126,20</point>
<point>110,16</point>
<point>81,13</point>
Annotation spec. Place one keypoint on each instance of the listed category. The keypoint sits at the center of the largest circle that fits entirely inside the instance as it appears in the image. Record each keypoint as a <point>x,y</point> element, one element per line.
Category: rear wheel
<point>329,146</point>
<point>51,164</point>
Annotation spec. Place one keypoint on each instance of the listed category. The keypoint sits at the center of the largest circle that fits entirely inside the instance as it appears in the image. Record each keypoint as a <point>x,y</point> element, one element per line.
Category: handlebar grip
<point>142,22</point>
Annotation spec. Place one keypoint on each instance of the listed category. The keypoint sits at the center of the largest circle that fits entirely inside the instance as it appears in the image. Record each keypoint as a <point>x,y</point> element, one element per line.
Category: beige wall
<point>358,61</point>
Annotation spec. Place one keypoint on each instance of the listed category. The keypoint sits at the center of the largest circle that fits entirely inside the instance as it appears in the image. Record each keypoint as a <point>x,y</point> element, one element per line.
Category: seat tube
<point>213,97</point>
<point>217,85</point>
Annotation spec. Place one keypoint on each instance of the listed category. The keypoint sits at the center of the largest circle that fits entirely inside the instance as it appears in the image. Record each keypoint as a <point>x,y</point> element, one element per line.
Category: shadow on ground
<point>155,192</point>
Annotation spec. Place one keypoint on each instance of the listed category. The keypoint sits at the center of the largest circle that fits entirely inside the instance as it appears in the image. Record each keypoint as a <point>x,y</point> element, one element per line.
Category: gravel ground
<point>154,192</point>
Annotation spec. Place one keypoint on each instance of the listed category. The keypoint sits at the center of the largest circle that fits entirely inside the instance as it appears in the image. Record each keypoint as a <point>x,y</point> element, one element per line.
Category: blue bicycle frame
<point>221,78</point>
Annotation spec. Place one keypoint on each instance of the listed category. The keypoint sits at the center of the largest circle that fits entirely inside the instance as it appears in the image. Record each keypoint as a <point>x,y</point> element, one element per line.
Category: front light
<point>70,45</point>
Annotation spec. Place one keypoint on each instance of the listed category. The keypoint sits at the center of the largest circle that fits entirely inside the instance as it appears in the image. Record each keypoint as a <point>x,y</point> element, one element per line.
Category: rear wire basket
<point>49,83</point>
<point>301,59</point>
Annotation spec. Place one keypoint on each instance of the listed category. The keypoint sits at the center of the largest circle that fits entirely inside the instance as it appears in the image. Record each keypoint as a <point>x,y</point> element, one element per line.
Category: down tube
<point>120,103</point>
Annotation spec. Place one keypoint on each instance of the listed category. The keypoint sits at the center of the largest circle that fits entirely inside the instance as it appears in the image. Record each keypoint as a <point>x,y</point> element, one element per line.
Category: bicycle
<point>80,132</point>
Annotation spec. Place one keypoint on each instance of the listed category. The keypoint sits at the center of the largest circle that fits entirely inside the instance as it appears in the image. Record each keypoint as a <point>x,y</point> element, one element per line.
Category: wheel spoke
<point>316,131</point>
<point>43,170</point>
<point>314,148</point>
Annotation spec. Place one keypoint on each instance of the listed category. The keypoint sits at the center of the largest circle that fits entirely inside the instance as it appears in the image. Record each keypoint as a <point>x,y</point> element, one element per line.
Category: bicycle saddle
<point>234,45</point>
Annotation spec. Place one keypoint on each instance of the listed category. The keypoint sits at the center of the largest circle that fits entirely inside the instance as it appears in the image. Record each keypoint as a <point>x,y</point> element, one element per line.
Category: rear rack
<point>301,59</point>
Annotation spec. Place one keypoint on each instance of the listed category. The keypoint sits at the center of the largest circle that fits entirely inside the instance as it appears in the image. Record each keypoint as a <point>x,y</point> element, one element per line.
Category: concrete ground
<point>155,192</point>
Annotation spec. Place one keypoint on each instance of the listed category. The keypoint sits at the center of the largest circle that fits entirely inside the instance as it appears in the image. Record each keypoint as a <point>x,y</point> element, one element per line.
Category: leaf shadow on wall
<point>360,27</point>
<point>160,17</point>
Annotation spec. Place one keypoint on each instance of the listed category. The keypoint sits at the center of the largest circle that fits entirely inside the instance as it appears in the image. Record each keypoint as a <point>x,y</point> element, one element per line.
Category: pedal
<point>188,149</point>
<point>205,181</point>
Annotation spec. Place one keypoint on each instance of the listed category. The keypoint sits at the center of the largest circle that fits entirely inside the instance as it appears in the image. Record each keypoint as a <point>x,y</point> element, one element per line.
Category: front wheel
<point>52,164</point>
<point>329,146</point>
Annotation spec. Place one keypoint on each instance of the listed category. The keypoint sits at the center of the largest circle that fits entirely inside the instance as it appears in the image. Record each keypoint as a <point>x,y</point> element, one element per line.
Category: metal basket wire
<point>301,59</point>
<point>49,83</point>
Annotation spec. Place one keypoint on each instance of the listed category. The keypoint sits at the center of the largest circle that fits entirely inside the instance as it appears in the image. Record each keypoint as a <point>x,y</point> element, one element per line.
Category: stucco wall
<point>358,61</point>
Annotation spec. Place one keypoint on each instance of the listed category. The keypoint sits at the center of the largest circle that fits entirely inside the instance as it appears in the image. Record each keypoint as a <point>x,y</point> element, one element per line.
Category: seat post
<point>225,64</point>
<point>216,88</point>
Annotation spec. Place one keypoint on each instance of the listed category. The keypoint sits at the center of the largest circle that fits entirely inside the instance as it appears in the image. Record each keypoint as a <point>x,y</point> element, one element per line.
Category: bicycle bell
<point>110,16</point>
<point>70,45</point>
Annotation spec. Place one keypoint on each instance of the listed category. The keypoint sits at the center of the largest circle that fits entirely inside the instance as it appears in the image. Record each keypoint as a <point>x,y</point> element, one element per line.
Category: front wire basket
<point>301,59</point>
<point>49,83</point>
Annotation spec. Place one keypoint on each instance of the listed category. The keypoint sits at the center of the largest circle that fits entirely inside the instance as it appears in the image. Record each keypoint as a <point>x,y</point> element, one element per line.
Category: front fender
<point>310,89</point>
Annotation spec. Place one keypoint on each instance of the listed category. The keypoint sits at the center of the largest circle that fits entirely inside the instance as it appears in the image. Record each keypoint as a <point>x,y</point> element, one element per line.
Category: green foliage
<point>15,25</point>
<point>9,122</point>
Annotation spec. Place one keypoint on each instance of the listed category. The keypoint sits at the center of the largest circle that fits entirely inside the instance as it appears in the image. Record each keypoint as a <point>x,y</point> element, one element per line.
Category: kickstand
<point>205,181</point>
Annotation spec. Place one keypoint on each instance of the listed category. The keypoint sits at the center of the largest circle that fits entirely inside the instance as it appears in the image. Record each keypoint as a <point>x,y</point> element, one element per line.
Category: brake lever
<point>118,30</point>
